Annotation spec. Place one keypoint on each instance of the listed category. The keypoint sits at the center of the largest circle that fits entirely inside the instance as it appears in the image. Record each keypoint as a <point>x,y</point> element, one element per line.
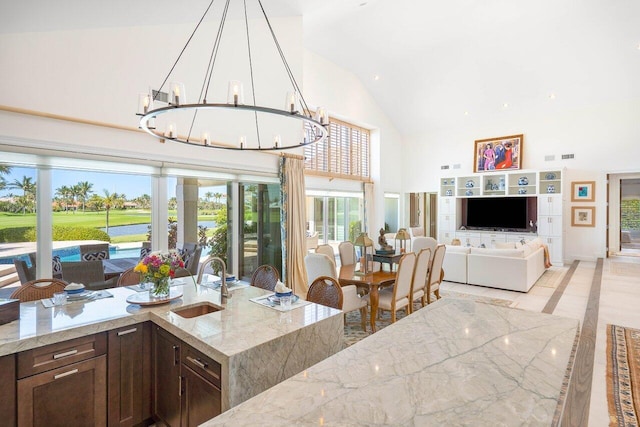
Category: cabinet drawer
<point>37,360</point>
<point>202,365</point>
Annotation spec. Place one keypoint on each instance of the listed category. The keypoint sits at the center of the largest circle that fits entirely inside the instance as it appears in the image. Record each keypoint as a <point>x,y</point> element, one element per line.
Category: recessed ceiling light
<point>552,96</point>
<point>505,105</point>
<point>376,77</point>
<point>466,113</point>
<point>364,3</point>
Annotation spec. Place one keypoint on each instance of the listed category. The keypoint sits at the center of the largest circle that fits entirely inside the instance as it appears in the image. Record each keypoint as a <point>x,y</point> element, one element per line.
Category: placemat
<point>48,302</point>
<point>264,300</point>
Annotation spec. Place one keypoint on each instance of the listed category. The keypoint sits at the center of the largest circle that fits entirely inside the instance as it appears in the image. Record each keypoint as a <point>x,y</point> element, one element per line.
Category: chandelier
<point>215,122</point>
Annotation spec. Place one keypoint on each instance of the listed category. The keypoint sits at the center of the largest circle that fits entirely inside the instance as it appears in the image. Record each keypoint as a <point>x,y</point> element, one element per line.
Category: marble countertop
<point>455,362</point>
<point>240,326</point>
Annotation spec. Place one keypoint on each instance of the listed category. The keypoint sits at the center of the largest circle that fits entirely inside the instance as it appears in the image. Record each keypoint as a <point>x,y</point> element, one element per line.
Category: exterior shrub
<point>28,234</point>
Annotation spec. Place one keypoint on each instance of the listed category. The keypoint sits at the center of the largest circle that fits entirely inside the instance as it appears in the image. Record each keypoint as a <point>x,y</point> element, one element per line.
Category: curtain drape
<point>367,189</point>
<point>293,224</point>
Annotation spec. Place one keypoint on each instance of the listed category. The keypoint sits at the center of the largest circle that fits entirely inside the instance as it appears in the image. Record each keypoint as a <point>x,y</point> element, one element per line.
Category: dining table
<point>372,281</point>
<point>114,267</point>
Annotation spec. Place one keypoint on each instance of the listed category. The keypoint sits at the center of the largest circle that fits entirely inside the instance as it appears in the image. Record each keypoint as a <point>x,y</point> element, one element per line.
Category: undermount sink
<point>196,310</point>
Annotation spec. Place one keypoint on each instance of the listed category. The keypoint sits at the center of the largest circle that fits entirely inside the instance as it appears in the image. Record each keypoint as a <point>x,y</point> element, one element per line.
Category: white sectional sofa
<point>516,268</point>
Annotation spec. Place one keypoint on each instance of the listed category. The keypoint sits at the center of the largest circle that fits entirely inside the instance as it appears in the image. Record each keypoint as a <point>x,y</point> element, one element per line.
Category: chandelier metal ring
<point>317,131</point>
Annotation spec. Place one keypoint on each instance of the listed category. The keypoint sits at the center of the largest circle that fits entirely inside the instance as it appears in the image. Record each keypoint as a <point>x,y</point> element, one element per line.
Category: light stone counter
<point>246,338</point>
<point>455,362</point>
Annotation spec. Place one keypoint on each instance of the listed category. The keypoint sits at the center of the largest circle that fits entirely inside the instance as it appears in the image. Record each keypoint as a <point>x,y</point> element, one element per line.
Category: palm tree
<point>110,201</point>
<point>83,192</point>
<point>217,196</point>
<point>4,169</point>
<point>28,188</point>
<point>66,194</point>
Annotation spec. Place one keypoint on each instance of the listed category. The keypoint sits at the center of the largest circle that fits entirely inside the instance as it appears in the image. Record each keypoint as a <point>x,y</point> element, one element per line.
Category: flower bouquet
<point>157,268</point>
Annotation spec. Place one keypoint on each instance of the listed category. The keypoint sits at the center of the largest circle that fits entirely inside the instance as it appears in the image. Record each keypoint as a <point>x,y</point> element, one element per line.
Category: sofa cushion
<point>416,231</point>
<point>505,245</point>
<point>535,243</point>
<point>458,249</point>
<point>511,253</point>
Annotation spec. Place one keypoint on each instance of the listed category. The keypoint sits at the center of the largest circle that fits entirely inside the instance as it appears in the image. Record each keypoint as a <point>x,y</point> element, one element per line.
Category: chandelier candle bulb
<point>205,138</point>
<point>276,141</point>
<point>242,141</point>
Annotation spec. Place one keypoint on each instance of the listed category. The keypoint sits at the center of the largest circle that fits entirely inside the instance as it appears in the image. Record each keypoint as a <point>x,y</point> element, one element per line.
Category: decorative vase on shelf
<point>501,183</point>
<point>160,288</point>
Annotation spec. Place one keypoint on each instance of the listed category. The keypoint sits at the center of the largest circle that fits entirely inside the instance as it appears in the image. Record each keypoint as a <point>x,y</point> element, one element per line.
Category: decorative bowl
<point>74,288</point>
<point>469,184</point>
<point>284,294</point>
<point>523,180</point>
<point>522,191</point>
<point>551,176</point>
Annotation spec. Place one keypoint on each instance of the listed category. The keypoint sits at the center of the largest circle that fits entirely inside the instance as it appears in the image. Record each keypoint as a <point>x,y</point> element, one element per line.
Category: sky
<point>131,185</point>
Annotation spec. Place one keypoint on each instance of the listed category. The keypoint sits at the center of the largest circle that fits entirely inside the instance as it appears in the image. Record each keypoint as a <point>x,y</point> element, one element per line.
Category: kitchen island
<point>454,362</point>
<point>256,346</point>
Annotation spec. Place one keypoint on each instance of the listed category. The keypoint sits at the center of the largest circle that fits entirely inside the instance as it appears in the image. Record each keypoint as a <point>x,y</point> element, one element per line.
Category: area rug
<point>623,375</point>
<point>353,329</point>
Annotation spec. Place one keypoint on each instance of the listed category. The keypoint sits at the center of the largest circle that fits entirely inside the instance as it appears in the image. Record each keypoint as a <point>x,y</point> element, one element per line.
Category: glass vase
<point>160,288</point>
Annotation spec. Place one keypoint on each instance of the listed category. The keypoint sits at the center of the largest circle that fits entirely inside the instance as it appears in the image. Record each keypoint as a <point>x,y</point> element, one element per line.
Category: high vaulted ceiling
<point>439,63</point>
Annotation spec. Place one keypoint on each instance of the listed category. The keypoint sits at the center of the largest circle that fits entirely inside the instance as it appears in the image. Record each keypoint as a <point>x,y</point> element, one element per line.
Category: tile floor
<point>619,304</point>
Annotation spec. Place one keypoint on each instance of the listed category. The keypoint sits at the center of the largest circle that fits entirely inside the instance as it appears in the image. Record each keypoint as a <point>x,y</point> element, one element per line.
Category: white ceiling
<point>436,60</point>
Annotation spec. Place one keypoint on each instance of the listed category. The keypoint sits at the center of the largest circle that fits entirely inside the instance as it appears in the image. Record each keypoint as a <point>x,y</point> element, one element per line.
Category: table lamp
<point>400,241</point>
<point>363,242</point>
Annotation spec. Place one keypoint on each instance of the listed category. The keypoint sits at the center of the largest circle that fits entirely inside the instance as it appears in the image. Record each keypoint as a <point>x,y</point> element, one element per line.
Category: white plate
<point>83,295</point>
<point>144,298</point>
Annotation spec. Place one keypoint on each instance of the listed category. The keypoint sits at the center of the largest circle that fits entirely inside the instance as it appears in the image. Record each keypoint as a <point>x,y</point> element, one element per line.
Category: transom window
<point>344,154</point>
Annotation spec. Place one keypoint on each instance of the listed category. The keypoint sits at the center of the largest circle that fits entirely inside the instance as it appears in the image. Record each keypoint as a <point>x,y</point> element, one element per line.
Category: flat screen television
<point>497,213</point>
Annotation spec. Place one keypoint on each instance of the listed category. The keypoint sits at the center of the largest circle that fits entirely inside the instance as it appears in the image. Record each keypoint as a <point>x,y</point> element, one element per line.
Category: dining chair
<point>25,273</point>
<point>325,290</point>
<point>327,250</point>
<point>265,277</point>
<point>129,277</point>
<point>435,274</point>
<point>347,253</point>
<point>320,265</point>
<point>145,249</point>
<point>56,267</point>
<point>420,275</point>
<point>398,296</point>
<point>192,260</point>
<point>420,243</point>
<point>89,273</point>
<point>38,289</point>
<point>94,252</point>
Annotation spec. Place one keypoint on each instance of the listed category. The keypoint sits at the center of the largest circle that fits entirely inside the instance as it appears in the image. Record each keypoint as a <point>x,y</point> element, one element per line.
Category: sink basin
<point>196,310</point>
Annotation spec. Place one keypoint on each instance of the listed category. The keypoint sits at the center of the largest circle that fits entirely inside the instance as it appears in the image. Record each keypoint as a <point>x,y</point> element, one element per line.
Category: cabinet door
<point>166,375</point>
<point>201,400</point>
<point>125,376</point>
<point>550,226</point>
<point>490,239</point>
<point>8,381</point>
<point>550,205</point>
<point>447,205</point>
<point>555,250</point>
<point>73,395</point>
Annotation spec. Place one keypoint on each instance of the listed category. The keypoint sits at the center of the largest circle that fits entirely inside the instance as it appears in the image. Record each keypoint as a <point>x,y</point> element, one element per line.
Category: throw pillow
<point>505,245</point>
<point>94,256</point>
<point>56,266</point>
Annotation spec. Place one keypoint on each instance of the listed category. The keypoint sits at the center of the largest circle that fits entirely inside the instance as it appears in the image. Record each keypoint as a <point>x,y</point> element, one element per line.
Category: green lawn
<point>80,219</point>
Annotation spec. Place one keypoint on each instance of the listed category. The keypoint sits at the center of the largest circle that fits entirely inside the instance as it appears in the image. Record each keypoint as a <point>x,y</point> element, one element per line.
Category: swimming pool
<point>73,254</point>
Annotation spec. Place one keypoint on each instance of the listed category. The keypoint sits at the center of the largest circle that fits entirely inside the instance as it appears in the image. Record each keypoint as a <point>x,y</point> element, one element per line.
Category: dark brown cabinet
<point>63,384</point>
<point>187,383</point>
<point>129,371</point>
<point>8,384</point>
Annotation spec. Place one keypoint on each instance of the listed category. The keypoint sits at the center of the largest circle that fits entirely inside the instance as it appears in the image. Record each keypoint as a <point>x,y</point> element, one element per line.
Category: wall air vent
<point>443,167</point>
<point>567,156</point>
<point>549,158</point>
<point>456,166</point>
<point>160,96</point>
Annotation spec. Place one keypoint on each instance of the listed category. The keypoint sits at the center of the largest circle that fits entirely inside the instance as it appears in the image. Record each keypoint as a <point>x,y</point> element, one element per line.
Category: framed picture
<point>583,216</point>
<point>503,153</point>
<point>583,191</point>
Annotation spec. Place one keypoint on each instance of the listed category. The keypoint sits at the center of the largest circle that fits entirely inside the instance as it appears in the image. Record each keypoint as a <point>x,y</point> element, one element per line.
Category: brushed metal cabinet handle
<point>65,374</point>
<point>128,331</point>
<point>65,354</point>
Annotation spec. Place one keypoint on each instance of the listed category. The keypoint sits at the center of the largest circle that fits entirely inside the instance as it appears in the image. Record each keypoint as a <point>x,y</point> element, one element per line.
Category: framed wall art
<point>503,153</point>
<point>583,191</point>
<point>583,216</point>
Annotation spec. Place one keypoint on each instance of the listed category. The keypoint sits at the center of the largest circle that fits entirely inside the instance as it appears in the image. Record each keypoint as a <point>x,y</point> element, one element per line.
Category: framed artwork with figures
<point>494,154</point>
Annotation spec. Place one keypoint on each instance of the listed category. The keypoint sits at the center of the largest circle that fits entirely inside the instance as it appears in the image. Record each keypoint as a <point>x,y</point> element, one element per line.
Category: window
<point>344,154</point>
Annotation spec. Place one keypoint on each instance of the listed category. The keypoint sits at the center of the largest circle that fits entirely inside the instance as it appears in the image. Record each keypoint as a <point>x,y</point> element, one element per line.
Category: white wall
<point>603,138</point>
<point>340,91</point>
<point>97,74</point>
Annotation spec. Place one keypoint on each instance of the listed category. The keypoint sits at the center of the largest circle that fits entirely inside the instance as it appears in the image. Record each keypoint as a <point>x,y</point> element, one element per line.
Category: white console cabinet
<point>546,185</point>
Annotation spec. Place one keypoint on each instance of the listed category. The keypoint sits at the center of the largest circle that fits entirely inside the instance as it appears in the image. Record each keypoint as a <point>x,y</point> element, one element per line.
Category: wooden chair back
<point>326,291</point>
<point>404,277</point>
<point>38,289</point>
<point>326,250</point>
<point>129,277</point>
<point>265,277</point>
<point>436,273</point>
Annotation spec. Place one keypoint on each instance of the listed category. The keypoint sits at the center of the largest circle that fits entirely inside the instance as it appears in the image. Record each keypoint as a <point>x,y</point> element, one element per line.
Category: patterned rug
<point>353,329</point>
<point>623,375</point>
